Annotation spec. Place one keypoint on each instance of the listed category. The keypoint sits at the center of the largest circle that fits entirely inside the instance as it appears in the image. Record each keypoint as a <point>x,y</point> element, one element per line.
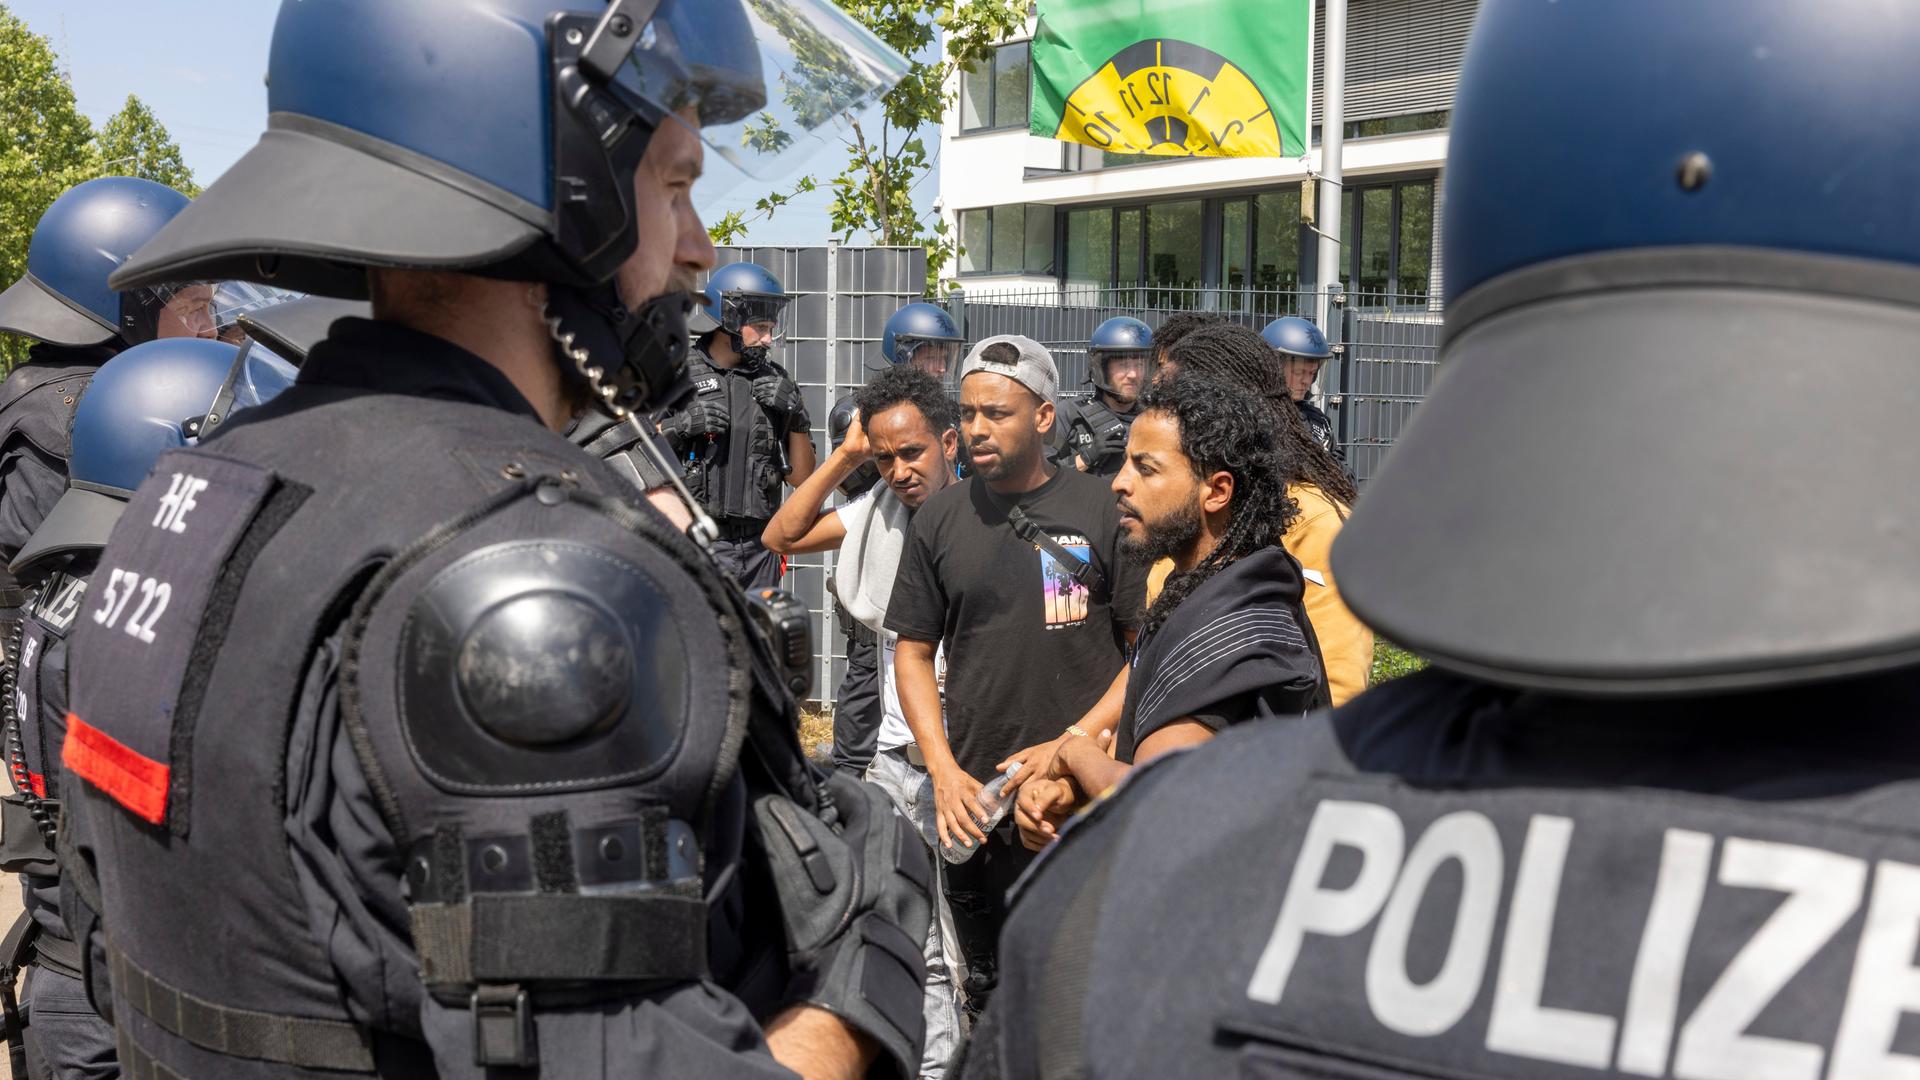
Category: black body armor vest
<point>1098,436</point>
<point>544,687</point>
<point>1450,879</point>
<point>37,401</point>
<point>737,478</point>
<point>36,715</point>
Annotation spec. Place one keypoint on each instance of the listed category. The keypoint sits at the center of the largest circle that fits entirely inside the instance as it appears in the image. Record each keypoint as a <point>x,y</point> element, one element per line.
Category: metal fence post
<point>830,616</point>
<point>957,307</point>
<point>1338,335</point>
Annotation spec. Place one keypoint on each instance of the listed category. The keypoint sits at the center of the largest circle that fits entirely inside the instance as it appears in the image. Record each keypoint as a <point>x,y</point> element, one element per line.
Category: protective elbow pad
<point>855,897</point>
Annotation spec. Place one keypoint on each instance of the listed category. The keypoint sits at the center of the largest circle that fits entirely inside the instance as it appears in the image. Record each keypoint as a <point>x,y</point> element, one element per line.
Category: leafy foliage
<point>47,146</point>
<point>133,142</point>
<point>1390,662</point>
<point>873,193</point>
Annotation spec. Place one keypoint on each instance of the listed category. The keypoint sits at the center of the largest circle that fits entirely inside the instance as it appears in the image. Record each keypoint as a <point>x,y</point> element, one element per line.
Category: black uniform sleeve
<point>30,483</point>
<point>917,610</point>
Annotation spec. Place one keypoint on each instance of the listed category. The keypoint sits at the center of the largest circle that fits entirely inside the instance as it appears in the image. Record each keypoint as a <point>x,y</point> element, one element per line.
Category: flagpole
<point>1333,131</point>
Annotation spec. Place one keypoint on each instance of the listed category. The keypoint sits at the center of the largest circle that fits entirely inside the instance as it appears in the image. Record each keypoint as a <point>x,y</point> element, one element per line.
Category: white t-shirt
<point>894,732</point>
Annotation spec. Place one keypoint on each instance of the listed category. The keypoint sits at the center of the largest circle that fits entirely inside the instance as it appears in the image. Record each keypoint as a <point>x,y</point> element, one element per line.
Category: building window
<point>1398,125</point>
<point>1090,247</point>
<point>993,96</point>
<point>1260,252</point>
<point>1173,245</point>
<point>1014,239</point>
<point>1393,257</point>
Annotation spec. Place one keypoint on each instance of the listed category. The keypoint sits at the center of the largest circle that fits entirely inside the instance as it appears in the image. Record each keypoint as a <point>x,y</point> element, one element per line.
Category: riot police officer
<point>925,337</point>
<point>405,739</point>
<point>64,304</point>
<point>1303,351</point>
<point>151,398</point>
<point>1119,359</point>
<point>1652,811</point>
<point>745,431</point>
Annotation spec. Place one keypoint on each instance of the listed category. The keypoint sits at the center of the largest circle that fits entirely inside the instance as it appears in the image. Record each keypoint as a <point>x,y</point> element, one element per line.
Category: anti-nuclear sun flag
<point>1179,78</point>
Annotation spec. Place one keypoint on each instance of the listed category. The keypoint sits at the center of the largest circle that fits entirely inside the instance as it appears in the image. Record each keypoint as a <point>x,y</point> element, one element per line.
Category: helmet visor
<point>770,80</point>
<point>185,309</point>
<point>935,356</point>
<point>1118,366</point>
<point>763,310</point>
<point>232,299</point>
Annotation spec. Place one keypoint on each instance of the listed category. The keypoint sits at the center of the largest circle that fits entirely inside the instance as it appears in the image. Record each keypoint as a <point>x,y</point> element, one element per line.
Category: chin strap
<point>633,360</point>
<point>648,351</point>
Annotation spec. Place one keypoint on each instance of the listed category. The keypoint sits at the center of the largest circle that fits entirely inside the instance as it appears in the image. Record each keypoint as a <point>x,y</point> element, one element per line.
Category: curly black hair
<point>1239,355</point>
<point>906,384</point>
<point>1221,431</point>
<point>1179,325</point>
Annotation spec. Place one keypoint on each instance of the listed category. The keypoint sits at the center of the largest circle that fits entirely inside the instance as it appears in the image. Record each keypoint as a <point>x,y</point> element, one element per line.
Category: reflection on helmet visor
<point>749,309</point>
<point>931,355</point>
<point>770,80</point>
<point>232,299</point>
<point>1122,364</point>
<point>186,309</point>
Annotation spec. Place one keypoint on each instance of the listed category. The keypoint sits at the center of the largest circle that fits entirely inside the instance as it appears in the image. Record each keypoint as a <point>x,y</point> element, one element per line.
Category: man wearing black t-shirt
<point>1017,574</point>
<point>1227,641</point>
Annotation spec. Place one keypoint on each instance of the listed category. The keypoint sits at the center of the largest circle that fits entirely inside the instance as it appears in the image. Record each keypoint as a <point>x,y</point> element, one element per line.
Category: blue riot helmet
<point>502,138</point>
<point>740,295</point>
<point>1295,336</point>
<point>88,232</point>
<point>925,336</point>
<point>152,398</point>
<point>1628,477</point>
<point>1120,340</point>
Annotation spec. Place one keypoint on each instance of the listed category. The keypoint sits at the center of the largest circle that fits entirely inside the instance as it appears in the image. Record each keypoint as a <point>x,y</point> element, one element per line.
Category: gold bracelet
<point>1076,729</point>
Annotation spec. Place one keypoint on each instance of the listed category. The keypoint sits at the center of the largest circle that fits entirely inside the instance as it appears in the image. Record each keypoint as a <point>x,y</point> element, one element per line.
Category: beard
<point>1164,538</point>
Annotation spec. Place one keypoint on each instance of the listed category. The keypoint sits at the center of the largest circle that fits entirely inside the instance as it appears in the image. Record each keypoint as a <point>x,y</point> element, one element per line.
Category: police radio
<point>788,630</point>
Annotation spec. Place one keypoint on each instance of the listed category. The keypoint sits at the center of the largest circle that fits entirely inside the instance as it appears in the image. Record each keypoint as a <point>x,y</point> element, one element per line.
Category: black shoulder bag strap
<point>1084,573</point>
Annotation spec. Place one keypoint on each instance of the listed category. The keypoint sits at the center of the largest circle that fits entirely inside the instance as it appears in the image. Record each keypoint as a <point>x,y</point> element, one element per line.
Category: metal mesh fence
<point>1389,354</point>
<point>843,298</point>
<point>1387,344</point>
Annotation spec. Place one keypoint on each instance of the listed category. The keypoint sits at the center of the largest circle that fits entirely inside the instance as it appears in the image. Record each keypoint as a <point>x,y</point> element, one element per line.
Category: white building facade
<point>1035,215</point>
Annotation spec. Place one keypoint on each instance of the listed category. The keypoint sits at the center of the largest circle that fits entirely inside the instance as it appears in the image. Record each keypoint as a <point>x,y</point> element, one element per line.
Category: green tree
<point>873,193</point>
<point>133,142</point>
<point>46,147</point>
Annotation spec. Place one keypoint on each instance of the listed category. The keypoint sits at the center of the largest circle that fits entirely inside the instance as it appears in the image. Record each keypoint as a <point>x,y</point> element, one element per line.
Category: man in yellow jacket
<point>1316,482</point>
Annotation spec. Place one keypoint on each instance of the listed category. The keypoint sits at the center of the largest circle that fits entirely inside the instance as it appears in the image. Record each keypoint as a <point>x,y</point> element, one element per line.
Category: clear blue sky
<point>201,65</point>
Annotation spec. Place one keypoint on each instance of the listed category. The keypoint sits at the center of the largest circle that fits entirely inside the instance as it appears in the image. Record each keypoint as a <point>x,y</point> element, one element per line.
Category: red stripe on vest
<point>134,780</point>
<point>38,783</point>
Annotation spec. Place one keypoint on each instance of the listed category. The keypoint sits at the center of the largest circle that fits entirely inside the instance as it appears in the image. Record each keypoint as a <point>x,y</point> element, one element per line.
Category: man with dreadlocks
<point>1315,481</point>
<point>1227,640</point>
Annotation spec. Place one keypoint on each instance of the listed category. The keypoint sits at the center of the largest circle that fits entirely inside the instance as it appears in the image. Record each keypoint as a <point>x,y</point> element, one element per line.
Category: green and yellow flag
<point>1179,78</point>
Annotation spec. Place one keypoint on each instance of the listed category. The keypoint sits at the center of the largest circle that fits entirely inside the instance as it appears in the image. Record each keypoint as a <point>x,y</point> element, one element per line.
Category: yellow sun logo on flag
<point>1174,99</point>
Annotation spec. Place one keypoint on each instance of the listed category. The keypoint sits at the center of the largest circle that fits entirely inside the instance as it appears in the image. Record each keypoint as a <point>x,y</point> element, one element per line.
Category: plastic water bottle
<point>996,799</point>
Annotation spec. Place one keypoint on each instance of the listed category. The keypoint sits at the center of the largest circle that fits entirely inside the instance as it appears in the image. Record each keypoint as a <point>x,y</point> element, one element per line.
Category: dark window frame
<point>1054,266</point>
<point>1306,257</point>
<point>992,75</point>
<point>1355,228</point>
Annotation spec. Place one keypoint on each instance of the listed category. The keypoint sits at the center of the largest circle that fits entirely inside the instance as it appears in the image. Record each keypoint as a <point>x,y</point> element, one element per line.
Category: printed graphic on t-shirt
<point>1066,599</point>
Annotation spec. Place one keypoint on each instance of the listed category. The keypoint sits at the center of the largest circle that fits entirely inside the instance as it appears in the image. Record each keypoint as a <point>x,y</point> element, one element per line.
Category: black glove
<point>856,898</point>
<point>704,418</point>
<point>776,392</point>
